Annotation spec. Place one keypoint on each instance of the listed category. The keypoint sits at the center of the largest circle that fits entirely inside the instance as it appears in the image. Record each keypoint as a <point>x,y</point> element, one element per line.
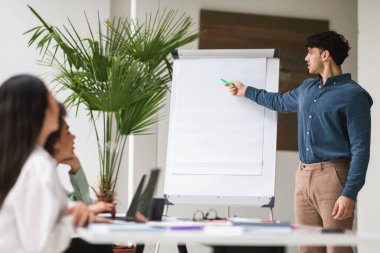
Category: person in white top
<point>60,145</point>
<point>35,216</point>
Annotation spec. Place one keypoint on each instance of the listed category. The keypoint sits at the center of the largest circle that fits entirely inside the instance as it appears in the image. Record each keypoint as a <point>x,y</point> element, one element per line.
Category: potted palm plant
<point>120,74</point>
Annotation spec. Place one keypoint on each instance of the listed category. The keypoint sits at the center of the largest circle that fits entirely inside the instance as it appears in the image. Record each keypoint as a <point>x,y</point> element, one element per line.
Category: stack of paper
<point>260,226</point>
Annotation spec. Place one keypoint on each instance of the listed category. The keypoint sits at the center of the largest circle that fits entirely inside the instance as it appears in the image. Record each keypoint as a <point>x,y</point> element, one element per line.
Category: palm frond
<point>121,74</point>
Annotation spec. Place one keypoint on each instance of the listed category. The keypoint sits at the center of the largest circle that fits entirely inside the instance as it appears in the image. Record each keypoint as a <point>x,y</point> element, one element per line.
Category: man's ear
<point>325,55</point>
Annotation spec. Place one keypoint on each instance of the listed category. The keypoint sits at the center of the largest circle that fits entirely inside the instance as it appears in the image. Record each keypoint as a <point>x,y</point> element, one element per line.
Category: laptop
<point>141,201</point>
<point>145,202</point>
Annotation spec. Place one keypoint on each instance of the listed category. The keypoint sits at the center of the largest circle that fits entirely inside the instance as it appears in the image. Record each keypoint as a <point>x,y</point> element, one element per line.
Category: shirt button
<point>307,133</point>
<point>307,149</point>
<point>319,86</point>
<point>334,82</point>
<point>310,116</point>
<point>315,100</point>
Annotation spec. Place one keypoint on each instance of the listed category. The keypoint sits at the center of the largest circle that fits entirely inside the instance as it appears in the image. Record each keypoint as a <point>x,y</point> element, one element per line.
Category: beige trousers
<point>318,186</point>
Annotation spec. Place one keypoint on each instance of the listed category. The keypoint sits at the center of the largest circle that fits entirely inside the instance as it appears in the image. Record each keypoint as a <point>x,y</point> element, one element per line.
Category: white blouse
<point>32,216</point>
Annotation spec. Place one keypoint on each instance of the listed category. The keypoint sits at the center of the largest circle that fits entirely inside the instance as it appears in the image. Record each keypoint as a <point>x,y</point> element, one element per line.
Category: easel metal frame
<point>266,202</point>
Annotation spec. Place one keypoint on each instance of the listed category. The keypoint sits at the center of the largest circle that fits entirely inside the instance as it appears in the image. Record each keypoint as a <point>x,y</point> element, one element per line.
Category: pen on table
<point>186,228</point>
<point>226,82</point>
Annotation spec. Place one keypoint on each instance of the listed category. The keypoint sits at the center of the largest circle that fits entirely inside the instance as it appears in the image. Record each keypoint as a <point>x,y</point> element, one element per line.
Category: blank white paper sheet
<point>216,133</point>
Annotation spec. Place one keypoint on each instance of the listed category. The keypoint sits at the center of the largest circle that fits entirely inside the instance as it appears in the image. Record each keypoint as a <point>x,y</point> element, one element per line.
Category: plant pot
<point>123,249</point>
<point>126,250</point>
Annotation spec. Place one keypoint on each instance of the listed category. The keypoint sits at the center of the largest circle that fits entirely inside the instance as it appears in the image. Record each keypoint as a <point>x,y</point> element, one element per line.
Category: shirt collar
<point>337,80</point>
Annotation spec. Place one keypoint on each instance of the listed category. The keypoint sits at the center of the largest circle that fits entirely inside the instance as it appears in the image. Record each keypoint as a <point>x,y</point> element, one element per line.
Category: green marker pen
<point>226,82</point>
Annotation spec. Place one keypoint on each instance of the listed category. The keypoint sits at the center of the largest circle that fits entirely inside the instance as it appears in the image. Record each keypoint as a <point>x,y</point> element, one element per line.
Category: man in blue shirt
<point>334,129</point>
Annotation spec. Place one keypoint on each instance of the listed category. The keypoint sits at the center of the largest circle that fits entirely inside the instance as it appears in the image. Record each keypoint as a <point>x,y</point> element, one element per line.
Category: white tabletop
<point>230,235</point>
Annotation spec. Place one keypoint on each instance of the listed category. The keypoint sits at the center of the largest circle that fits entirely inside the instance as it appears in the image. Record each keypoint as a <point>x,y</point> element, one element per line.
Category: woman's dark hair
<point>54,136</point>
<point>335,43</point>
<point>23,102</point>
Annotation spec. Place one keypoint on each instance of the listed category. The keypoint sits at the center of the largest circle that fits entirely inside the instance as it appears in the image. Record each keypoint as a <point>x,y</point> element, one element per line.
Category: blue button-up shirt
<point>334,122</point>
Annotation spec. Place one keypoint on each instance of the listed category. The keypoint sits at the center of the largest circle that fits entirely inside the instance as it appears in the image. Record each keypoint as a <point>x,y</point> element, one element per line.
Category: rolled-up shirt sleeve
<point>281,102</point>
<point>81,187</point>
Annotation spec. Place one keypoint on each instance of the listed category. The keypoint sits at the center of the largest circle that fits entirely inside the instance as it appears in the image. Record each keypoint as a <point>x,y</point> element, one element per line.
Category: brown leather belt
<point>325,164</point>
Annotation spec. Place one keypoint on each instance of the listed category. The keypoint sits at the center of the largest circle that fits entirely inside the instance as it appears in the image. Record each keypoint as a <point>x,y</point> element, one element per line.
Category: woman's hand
<point>81,215</point>
<point>73,162</point>
<point>102,207</point>
<point>140,218</point>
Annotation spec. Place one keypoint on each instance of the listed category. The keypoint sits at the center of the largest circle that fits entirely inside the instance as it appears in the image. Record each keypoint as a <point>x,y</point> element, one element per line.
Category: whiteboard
<point>221,148</point>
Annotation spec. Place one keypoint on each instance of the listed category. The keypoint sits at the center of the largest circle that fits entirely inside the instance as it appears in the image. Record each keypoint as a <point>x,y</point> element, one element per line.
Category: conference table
<point>224,238</point>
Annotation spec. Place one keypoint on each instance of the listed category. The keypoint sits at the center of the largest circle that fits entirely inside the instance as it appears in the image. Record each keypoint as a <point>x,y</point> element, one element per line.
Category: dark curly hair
<point>335,43</point>
<point>54,136</point>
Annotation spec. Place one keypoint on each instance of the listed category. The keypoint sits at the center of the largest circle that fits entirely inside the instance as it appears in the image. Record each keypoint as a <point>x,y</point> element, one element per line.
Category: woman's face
<point>50,123</point>
<point>64,148</point>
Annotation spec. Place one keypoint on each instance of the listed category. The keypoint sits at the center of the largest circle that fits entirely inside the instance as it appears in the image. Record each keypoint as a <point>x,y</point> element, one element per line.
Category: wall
<point>368,68</point>
<point>341,19</point>
<point>16,19</point>
<point>17,58</point>
<point>342,15</point>
<point>150,151</point>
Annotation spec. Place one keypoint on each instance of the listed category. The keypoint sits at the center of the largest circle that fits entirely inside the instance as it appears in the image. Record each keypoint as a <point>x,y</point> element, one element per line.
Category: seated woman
<point>34,212</point>
<point>60,144</point>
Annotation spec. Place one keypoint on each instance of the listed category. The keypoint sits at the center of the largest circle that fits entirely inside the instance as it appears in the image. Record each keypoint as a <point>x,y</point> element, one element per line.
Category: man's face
<point>314,60</point>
